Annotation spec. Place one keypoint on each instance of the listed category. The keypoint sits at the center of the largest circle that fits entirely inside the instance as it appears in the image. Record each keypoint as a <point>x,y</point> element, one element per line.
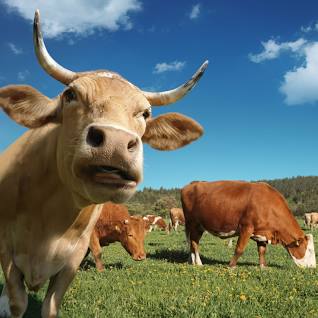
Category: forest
<point>301,194</point>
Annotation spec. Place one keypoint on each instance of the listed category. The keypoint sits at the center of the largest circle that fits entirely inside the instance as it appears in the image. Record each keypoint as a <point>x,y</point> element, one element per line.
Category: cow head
<point>102,120</point>
<point>132,233</point>
<point>302,252</point>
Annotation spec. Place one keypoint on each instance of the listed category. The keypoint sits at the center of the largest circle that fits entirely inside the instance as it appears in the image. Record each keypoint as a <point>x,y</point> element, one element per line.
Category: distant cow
<point>247,210</point>
<point>176,218</point>
<point>155,222</point>
<point>311,219</point>
<point>116,225</point>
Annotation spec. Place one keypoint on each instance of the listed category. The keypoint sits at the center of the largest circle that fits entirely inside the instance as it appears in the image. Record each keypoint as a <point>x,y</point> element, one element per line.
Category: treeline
<point>301,194</point>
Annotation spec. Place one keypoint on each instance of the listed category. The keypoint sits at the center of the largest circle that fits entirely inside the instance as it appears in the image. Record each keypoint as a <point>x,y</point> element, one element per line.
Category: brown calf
<point>247,210</point>
<point>116,225</point>
<point>155,222</point>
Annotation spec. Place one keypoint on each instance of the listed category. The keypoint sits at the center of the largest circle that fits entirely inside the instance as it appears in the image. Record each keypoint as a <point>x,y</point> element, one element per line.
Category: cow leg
<point>14,299</point>
<point>176,226</point>
<point>61,281</point>
<point>261,246</point>
<point>195,237</point>
<point>96,250</point>
<point>241,245</point>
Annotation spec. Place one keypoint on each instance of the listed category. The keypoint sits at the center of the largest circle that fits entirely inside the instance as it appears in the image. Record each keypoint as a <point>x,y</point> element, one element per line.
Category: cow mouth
<point>112,176</point>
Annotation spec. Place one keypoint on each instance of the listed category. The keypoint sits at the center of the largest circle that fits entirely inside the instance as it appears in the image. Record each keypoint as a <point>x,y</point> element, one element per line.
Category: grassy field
<point>164,285</point>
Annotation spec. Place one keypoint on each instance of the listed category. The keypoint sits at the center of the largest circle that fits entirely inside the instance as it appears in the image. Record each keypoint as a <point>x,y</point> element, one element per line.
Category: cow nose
<point>141,257</point>
<point>133,144</point>
<point>95,137</point>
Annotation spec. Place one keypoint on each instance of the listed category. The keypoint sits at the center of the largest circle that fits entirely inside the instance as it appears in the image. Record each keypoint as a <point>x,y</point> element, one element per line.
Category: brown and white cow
<point>176,218</point>
<point>155,222</point>
<point>311,220</point>
<point>248,210</point>
<point>83,147</point>
<point>115,224</point>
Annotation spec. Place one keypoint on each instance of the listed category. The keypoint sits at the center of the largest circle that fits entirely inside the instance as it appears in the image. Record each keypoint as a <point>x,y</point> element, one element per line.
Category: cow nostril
<point>95,137</point>
<point>132,145</point>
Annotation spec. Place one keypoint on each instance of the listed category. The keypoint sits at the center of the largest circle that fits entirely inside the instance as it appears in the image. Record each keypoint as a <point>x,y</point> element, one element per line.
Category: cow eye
<point>147,113</point>
<point>69,95</point>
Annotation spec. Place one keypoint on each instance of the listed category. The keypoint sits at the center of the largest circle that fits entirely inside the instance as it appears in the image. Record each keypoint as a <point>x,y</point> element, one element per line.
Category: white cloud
<point>23,75</point>
<point>77,16</point>
<point>301,85</point>
<point>273,49</point>
<point>306,29</point>
<point>195,11</point>
<point>165,67</point>
<point>16,50</point>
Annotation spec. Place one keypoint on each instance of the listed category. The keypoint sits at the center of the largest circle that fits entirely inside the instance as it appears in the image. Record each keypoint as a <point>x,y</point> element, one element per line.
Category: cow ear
<point>171,131</point>
<point>28,107</point>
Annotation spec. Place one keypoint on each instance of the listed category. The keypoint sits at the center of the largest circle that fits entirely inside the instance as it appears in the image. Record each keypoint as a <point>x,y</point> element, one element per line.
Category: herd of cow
<point>85,147</point>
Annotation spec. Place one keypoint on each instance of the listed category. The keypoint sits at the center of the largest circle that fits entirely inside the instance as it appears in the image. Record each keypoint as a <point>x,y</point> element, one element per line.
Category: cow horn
<point>168,97</point>
<point>57,71</point>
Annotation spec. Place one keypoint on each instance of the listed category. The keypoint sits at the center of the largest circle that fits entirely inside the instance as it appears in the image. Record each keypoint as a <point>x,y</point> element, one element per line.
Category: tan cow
<point>311,219</point>
<point>83,147</point>
<point>176,218</point>
<point>247,210</point>
<point>155,222</point>
<point>115,224</point>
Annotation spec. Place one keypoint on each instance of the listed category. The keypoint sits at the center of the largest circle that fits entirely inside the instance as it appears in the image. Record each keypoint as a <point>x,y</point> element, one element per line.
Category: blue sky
<point>258,100</point>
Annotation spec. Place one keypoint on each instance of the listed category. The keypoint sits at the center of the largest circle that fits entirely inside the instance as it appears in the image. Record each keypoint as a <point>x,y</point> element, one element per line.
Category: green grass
<point>164,285</point>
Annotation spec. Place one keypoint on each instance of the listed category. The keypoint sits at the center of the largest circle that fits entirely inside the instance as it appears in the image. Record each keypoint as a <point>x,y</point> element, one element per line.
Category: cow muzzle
<point>139,257</point>
<point>112,157</point>
<point>309,259</point>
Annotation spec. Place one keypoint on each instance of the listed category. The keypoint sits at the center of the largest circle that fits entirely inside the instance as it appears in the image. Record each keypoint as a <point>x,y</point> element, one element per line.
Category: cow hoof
<point>101,269</point>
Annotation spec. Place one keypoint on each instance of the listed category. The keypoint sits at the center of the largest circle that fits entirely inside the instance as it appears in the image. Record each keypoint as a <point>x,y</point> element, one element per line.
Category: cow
<point>155,222</point>
<point>247,210</point>
<point>311,219</point>
<point>83,148</point>
<point>115,224</point>
<point>176,218</point>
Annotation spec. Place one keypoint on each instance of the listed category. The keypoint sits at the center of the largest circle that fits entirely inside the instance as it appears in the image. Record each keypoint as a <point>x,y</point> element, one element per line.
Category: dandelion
<point>243,297</point>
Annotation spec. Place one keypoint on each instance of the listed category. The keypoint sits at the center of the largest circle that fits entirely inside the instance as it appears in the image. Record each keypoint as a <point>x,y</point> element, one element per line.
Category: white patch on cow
<point>259,238</point>
<point>195,259</point>
<point>224,234</point>
<point>157,218</point>
<point>309,260</point>
<point>176,225</point>
<point>105,74</point>
<point>4,307</point>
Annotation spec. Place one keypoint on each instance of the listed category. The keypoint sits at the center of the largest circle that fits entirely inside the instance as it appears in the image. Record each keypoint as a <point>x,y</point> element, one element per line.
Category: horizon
<point>257,101</point>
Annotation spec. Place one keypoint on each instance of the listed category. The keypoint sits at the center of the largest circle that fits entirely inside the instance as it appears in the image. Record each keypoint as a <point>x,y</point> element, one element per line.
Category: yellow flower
<point>243,297</point>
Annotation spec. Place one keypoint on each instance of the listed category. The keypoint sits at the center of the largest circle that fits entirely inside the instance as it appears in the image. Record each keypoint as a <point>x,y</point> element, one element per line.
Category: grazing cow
<point>176,218</point>
<point>311,219</point>
<point>155,222</point>
<point>247,210</point>
<point>84,147</point>
<point>116,225</point>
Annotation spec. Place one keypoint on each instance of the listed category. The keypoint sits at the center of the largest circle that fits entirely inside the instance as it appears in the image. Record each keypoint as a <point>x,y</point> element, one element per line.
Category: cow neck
<point>39,184</point>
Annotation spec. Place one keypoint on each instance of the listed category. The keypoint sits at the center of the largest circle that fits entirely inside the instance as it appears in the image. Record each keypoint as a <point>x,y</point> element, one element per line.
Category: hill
<point>301,194</point>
